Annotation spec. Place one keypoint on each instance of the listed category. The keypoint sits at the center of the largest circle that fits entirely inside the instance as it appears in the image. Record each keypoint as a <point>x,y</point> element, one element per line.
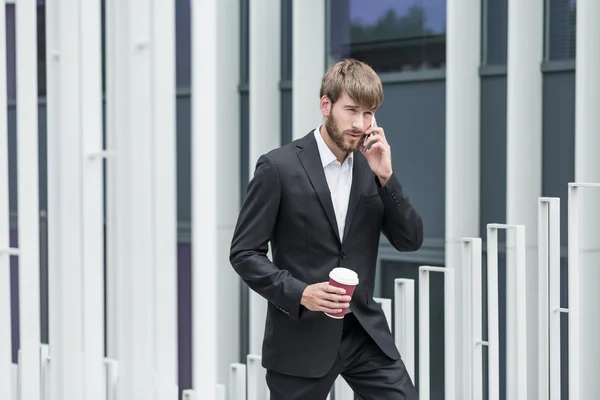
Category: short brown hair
<point>356,78</point>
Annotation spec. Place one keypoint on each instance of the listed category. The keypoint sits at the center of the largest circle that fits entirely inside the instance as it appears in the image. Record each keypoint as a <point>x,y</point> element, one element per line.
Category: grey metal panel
<point>244,178</point>
<point>493,151</point>
<point>413,116</point>
<point>184,145</point>
<point>495,32</point>
<point>559,140</point>
<point>286,113</point>
<point>286,40</point>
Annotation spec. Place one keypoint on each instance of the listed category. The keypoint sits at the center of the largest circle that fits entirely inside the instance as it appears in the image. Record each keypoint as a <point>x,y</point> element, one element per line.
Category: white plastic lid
<point>344,276</point>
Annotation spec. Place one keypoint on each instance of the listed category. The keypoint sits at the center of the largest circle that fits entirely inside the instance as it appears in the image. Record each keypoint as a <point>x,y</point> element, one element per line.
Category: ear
<point>325,106</point>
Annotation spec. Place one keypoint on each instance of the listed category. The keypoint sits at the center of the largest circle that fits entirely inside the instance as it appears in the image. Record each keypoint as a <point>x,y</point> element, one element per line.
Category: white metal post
<point>404,322</point>
<point>28,198</point>
<point>516,314</point>
<point>237,381</point>
<point>111,373</point>
<point>386,306</point>
<point>64,200</point>
<point>204,202</point>
<point>549,377</point>
<point>424,332</point>
<point>5,308</point>
<point>492,315</point>
<point>472,304</point>
<point>89,61</point>
<point>462,147</point>
<point>342,391</point>
<point>587,169</point>
<point>524,101</point>
<point>164,195</point>
<point>257,386</point>
<point>576,385</point>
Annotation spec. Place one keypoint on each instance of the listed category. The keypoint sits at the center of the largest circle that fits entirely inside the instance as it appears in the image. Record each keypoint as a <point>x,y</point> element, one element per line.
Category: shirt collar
<point>327,156</point>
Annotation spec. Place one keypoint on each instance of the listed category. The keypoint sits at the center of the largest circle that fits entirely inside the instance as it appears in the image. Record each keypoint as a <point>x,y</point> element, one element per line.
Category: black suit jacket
<point>288,203</point>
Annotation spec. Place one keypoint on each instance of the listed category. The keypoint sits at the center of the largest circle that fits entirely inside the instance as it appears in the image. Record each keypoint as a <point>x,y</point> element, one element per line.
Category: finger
<point>375,146</point>
<point>336,297</point>
<point>332,305</point>
<point>333,289</point>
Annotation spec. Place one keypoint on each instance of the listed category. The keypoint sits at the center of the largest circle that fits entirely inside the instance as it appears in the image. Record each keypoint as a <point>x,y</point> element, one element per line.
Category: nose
<point>358,123</point>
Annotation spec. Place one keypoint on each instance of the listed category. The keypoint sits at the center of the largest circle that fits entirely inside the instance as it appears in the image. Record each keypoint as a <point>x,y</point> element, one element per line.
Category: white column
<point>587,169</point>
<point>463,43</point>
<point>308,64</point>
<point>164,196</point>
<point>228,178</point>
<point>28,194</point>
<point>5,308</point>
<point>524,159</point>
<point>205,167</point>
<point>265,126</point>
<point>75,199</point>
<point>142,210</point>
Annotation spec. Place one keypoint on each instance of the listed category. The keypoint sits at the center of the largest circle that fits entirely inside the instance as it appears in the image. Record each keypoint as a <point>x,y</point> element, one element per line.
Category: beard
<point>332,128</point>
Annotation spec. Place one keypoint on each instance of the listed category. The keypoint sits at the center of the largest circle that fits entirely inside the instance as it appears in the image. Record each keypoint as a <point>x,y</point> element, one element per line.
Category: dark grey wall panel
<point>184,156</point>
<point>493,151</point>
<point>413,116</point>
<point>286,112</point>
<point>559,140</point>
<point>496,32</point>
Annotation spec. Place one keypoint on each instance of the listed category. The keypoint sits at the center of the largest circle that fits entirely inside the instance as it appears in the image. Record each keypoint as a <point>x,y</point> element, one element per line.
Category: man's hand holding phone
<point>378,152</point>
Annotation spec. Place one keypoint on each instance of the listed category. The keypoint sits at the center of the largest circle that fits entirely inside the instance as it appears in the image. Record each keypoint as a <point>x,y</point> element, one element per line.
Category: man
<point>322,201</point>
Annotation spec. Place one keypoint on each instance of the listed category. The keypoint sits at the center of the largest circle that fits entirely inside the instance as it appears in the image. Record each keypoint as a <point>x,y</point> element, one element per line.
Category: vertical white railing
<point>342,391</point>
<point>386,306</point>
<point>28,198</point>
<point>574,264</point>
<point>472,300</point>
<point>257,386</point>
<point>549,363</point>
<point>91,131</point>
<point>404,322</point>
<point>516,315</point>
<point>5,251</point>
<point>237,381</point>
<point>111,373</point>
<point>424,332</point>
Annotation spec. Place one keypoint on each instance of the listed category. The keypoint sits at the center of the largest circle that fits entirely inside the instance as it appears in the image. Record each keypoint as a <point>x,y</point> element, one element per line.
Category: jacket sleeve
<point>402,225</point>
<point>249,246</point>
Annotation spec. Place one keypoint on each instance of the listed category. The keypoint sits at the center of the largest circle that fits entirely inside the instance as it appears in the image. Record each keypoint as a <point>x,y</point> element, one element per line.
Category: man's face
<point>347,122</point>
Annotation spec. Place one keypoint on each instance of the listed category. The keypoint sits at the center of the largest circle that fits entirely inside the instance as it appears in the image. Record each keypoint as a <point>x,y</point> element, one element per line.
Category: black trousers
<point>369,372</point>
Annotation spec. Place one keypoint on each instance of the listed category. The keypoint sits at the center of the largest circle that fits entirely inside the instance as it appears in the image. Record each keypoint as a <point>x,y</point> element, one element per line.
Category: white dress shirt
<point>339,180</point>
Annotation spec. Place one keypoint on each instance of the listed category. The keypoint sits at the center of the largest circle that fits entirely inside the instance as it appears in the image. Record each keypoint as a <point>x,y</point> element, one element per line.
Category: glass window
<point>561,26</point>
<point>390,35</point>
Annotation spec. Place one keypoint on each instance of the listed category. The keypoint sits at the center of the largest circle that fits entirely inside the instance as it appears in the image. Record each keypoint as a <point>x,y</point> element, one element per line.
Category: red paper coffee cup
<point>343,278</point>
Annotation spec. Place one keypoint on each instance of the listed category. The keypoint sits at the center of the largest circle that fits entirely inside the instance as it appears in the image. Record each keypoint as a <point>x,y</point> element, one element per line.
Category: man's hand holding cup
<point>333,297</point>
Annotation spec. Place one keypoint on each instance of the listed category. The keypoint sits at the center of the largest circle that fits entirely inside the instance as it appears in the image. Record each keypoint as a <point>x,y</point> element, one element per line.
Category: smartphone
<point>364,139</point>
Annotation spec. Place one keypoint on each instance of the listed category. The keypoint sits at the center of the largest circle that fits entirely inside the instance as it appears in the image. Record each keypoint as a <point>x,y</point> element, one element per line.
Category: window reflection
<point>391,35</point>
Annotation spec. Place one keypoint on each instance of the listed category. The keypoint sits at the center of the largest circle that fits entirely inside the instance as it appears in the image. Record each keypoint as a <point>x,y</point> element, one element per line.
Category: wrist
<point>384,178</point>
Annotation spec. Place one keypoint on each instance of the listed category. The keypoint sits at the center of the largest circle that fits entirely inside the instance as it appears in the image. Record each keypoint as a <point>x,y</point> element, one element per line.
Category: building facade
<point>481,103</point>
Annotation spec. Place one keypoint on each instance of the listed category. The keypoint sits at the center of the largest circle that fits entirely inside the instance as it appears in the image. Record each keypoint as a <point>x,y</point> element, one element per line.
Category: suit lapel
<point>358,179</point>
<point>311,161</point>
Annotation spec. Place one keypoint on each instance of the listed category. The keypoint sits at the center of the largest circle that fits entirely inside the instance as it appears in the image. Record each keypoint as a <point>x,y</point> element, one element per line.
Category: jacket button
<point>343,256</point>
